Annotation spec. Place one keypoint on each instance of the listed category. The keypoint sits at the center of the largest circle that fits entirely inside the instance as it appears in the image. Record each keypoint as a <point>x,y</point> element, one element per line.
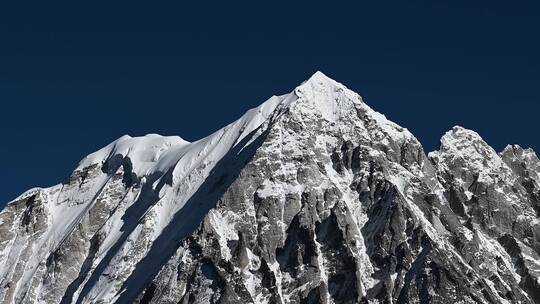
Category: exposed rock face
<point>312,197</point>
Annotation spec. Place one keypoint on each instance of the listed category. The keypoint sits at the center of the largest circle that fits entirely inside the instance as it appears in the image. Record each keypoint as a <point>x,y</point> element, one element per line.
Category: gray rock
<point>311,198</point>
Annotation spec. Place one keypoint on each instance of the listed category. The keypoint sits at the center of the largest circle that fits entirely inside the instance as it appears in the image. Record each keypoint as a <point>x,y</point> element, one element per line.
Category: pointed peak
<point>142,148</point>
<point>319,84</point>
<point>518,152</point>
<point>318,75</point>
<point>467,144</point>
<point>512,149</point>
<point>459,132</point>
<point>459,138</point>
<point>320,79</point>
<point>322,95</point>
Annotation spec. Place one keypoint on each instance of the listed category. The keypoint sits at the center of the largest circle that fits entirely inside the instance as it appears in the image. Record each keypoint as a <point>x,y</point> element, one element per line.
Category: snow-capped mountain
<point>312,197</point>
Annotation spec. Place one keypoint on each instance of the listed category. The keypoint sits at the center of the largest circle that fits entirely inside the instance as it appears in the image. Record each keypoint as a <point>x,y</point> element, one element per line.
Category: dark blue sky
<point>76,75</point>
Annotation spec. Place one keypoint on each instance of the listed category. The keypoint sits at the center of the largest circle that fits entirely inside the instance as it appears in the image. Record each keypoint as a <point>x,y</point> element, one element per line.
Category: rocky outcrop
<point>312,197</point>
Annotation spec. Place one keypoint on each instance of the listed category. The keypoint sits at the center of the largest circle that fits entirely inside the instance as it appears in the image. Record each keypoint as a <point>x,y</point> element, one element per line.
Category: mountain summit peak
<point>309,197</point>
<point>318,76</point>
<point>319,79</point>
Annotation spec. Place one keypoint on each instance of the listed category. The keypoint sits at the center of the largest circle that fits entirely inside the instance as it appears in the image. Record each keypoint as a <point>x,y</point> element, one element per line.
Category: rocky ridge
<point>312,197</point>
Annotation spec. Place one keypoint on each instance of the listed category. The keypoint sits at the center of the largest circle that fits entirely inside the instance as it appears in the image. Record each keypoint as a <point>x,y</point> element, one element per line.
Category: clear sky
<point>76,75</point>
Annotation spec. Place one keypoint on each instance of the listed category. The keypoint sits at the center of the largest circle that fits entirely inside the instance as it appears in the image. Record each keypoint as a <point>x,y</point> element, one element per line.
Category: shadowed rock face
<point>311,198</point>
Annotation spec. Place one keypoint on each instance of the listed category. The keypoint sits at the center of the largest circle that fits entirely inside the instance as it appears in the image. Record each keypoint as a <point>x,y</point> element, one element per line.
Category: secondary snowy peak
<point>465,152</point>
<point>526,157</point>
<point>465,149</point>
<point>465,140</point>
<point>145,152</point>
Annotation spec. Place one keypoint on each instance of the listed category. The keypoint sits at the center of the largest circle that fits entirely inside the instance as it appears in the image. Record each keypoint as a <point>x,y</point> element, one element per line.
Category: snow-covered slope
<point>311,197</point>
